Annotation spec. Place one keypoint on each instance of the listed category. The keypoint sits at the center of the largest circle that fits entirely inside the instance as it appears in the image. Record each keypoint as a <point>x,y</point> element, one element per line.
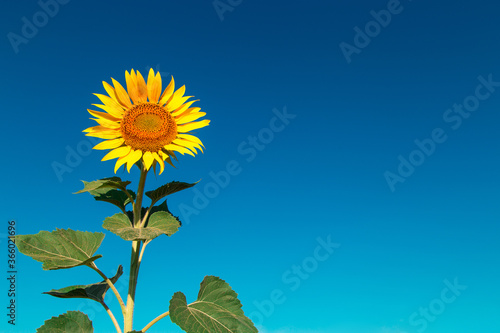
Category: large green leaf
<point>94,291</point>
<point>168,189</point>
<point>159,223</point>
<point>70,322</point>
<point>217,310</point>
<point>61,248</point>
<point>113,196</point>
<point>111,182</point>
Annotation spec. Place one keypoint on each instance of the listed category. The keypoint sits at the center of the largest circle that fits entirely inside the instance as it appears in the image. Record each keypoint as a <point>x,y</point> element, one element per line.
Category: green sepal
<point>61,248</point>
<point>70,322</point>
<point>167,189</point>
<point>95,291</point>
<point>217,309</point>
<point>159,223</point>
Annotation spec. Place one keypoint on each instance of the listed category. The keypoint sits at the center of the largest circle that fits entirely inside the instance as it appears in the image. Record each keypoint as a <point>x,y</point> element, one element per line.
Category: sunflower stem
<point>134,272</point>
<point>134,259</point>
<point>131,199</point>
<point>111,285</point>
<point>140,194</point>
<point>154,321</point>
<point>142,251</point>
<point>145,217</point>
<point>113,319</point>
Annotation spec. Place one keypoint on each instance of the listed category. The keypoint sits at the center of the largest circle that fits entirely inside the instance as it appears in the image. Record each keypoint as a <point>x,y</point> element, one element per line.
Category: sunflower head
<point>143,124</point>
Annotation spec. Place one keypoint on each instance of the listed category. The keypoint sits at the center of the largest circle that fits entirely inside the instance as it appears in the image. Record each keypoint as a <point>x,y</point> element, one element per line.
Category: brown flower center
<point>148,127</point>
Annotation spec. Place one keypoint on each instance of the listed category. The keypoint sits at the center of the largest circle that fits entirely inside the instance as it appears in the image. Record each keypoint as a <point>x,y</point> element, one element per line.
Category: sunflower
<point>141,123</point>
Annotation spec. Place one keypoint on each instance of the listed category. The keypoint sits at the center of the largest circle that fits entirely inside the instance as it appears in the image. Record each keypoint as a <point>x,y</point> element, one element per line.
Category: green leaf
<point>217,309</point>
<point>62,248</point>
<point>111,195</point>
<point>106,190</point>
<point>111,182</point>
<point>164,222</point>
<point>158,224</point>
<point>94,291</point>
<point>71,322</point>
<point>168,189</point>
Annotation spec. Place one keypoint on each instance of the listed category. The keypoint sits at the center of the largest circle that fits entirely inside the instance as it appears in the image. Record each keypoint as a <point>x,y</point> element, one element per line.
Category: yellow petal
<point>110,134</point>
<point>121,161</point>
<point>142,89</point>
<point>159,82</point>
<point>132,86</point>
<point>190,117</point>
<point>177,94</point>
<point>188,144</point>
<point>133,157</point>
<point>192,126</point>
<point>117,113</point>
<point>110,90</point>
<point>182,150</point>
<point>174,106</point>
<point>103,115</point>
<point>183,108</point>
<point>115,106</point>
<point>190,138</point>
<point>167,93</point>
<point>160,162</point>
<point>95,129</point>
<point>118,152</point>
<point>148,159</point>
<point>122,95</point>
<point>154,86</point>
<point>109,144</point>
<point>109,124</point>
<point>188,111</point>
<point>177,99</point>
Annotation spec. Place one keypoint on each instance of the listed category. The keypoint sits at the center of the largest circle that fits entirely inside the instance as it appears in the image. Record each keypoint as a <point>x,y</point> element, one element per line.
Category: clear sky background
<point>386,147</point>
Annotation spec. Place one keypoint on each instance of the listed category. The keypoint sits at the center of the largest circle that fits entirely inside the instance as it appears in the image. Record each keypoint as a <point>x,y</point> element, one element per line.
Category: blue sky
<point>362,140</point>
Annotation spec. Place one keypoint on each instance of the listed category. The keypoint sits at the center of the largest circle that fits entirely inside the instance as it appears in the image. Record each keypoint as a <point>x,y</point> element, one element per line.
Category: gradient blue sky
<point>322,175</point>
